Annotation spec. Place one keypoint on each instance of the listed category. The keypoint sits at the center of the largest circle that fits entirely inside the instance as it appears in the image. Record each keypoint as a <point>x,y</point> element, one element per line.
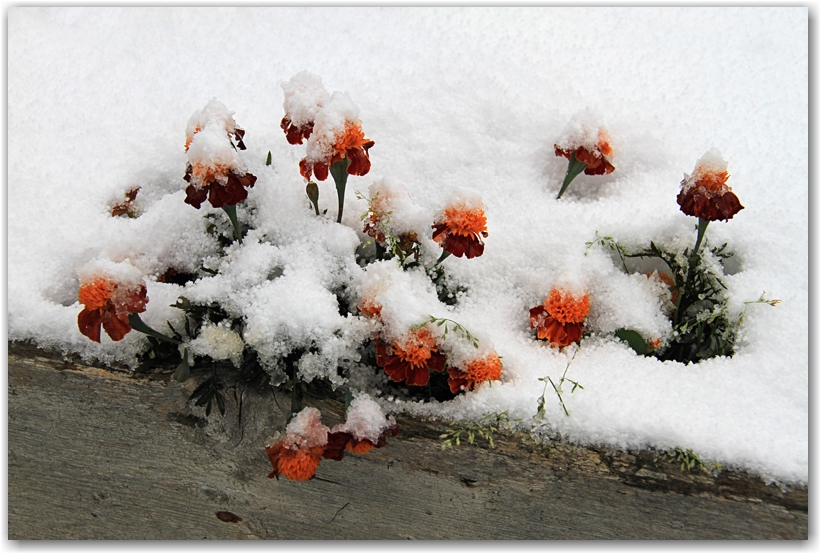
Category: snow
<point>99,102</point>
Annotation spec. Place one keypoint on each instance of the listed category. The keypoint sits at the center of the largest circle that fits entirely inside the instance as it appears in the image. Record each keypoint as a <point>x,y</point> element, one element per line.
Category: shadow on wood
<point>96,454</point>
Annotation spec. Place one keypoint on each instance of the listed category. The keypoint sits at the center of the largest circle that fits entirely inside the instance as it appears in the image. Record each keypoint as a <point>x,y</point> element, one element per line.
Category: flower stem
<point>573,170</point>
<point>339,172</point>
<point>694,258</point>
<point>138,325</point>
<point>444,255</point>
<point>230,210</point>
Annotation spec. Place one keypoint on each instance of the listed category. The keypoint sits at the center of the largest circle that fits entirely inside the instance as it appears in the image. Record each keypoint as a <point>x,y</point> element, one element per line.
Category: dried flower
<point>215,171</point>
<point>461,227</point>
<point>298,455</point>
<point>475,372</point>
<point>411,358</point>
<point>704,194</point>
<point>560,319</point>
<point>108,304</point>
<point>126,207</point>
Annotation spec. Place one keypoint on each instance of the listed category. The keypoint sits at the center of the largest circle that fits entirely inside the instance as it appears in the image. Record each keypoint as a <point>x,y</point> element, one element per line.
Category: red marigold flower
<point>350,144</point>
<point>474,373</point>
<point>215,171</point>
<point>560,319</point>
<point>411,358</point>
<point>461,228</point>
<point>596,154</point>
<point>704,194</point>
<point>296,134</point>
<point>298,455</point>
<point>108,304</point>
<point>304,98</point>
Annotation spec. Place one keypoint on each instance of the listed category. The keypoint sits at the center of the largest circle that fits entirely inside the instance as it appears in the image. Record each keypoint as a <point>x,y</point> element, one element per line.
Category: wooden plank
<point>95,454</point>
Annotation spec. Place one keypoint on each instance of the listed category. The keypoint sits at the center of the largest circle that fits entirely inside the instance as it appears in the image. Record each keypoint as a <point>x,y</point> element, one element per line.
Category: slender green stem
<point>693,260</point>
<point>444,255</point>
<point>138,325</point>
<point>573,170</point>
<point>230,210</point>
<point>339,172</point>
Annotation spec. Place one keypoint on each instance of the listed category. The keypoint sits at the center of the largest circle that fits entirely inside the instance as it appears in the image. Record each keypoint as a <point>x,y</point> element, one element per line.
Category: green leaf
<point>268,160</point>
<point>633,340</point>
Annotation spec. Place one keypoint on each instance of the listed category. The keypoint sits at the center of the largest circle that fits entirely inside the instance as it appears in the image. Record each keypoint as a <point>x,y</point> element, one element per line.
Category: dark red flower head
<point>597,155</point>
<point>560,319</point>
<point>412,358</point>
<point>215,171</point>
<point>108,304</point>
<point>704,194</point>
<point>461,229</point>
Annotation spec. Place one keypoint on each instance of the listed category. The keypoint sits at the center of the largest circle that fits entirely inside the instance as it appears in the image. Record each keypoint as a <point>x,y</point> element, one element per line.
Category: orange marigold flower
<point>474,373</point>
<point>350,144</point>
<point>298,455</point>
<point>295,464</point>
<point>704,194</point>
<point>560,319</point>
<point>412,358</point>
<point>370,308</point>
<point>108,304</point>
<point>460,230</point>
<point>597,156</point>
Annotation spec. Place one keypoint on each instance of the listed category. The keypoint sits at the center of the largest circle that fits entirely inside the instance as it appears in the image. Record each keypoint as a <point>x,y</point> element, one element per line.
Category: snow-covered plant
<point>587,146</point>
<point>702,327</point>
<point>215,171</point>
<point>336,143</point>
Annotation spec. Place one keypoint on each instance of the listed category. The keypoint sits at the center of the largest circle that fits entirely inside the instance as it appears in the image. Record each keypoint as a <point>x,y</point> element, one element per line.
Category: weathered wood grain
<point>95,454</point>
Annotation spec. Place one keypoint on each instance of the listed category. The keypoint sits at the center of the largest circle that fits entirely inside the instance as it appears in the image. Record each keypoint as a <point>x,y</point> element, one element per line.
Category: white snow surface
<point>454,98</point>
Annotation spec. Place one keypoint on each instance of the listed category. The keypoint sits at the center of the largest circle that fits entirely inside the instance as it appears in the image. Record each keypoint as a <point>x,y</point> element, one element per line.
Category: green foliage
<point>447,326</point>
<point>482,428</point>
<point>400,248</point>
<point>701,325</point>
<point>687,458</point>
<point>559,390</point>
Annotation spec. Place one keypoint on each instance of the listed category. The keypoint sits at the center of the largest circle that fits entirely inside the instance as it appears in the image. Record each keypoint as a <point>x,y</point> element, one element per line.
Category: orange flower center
<point>465,222</point>
<point>417,348</point>
<point>713,182</point>
<point>209,172</point>
<point>352,138</point>
<point>96,294</point>
<point>299,464</point>
<point>486,368</point>
<point>565,308</point>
